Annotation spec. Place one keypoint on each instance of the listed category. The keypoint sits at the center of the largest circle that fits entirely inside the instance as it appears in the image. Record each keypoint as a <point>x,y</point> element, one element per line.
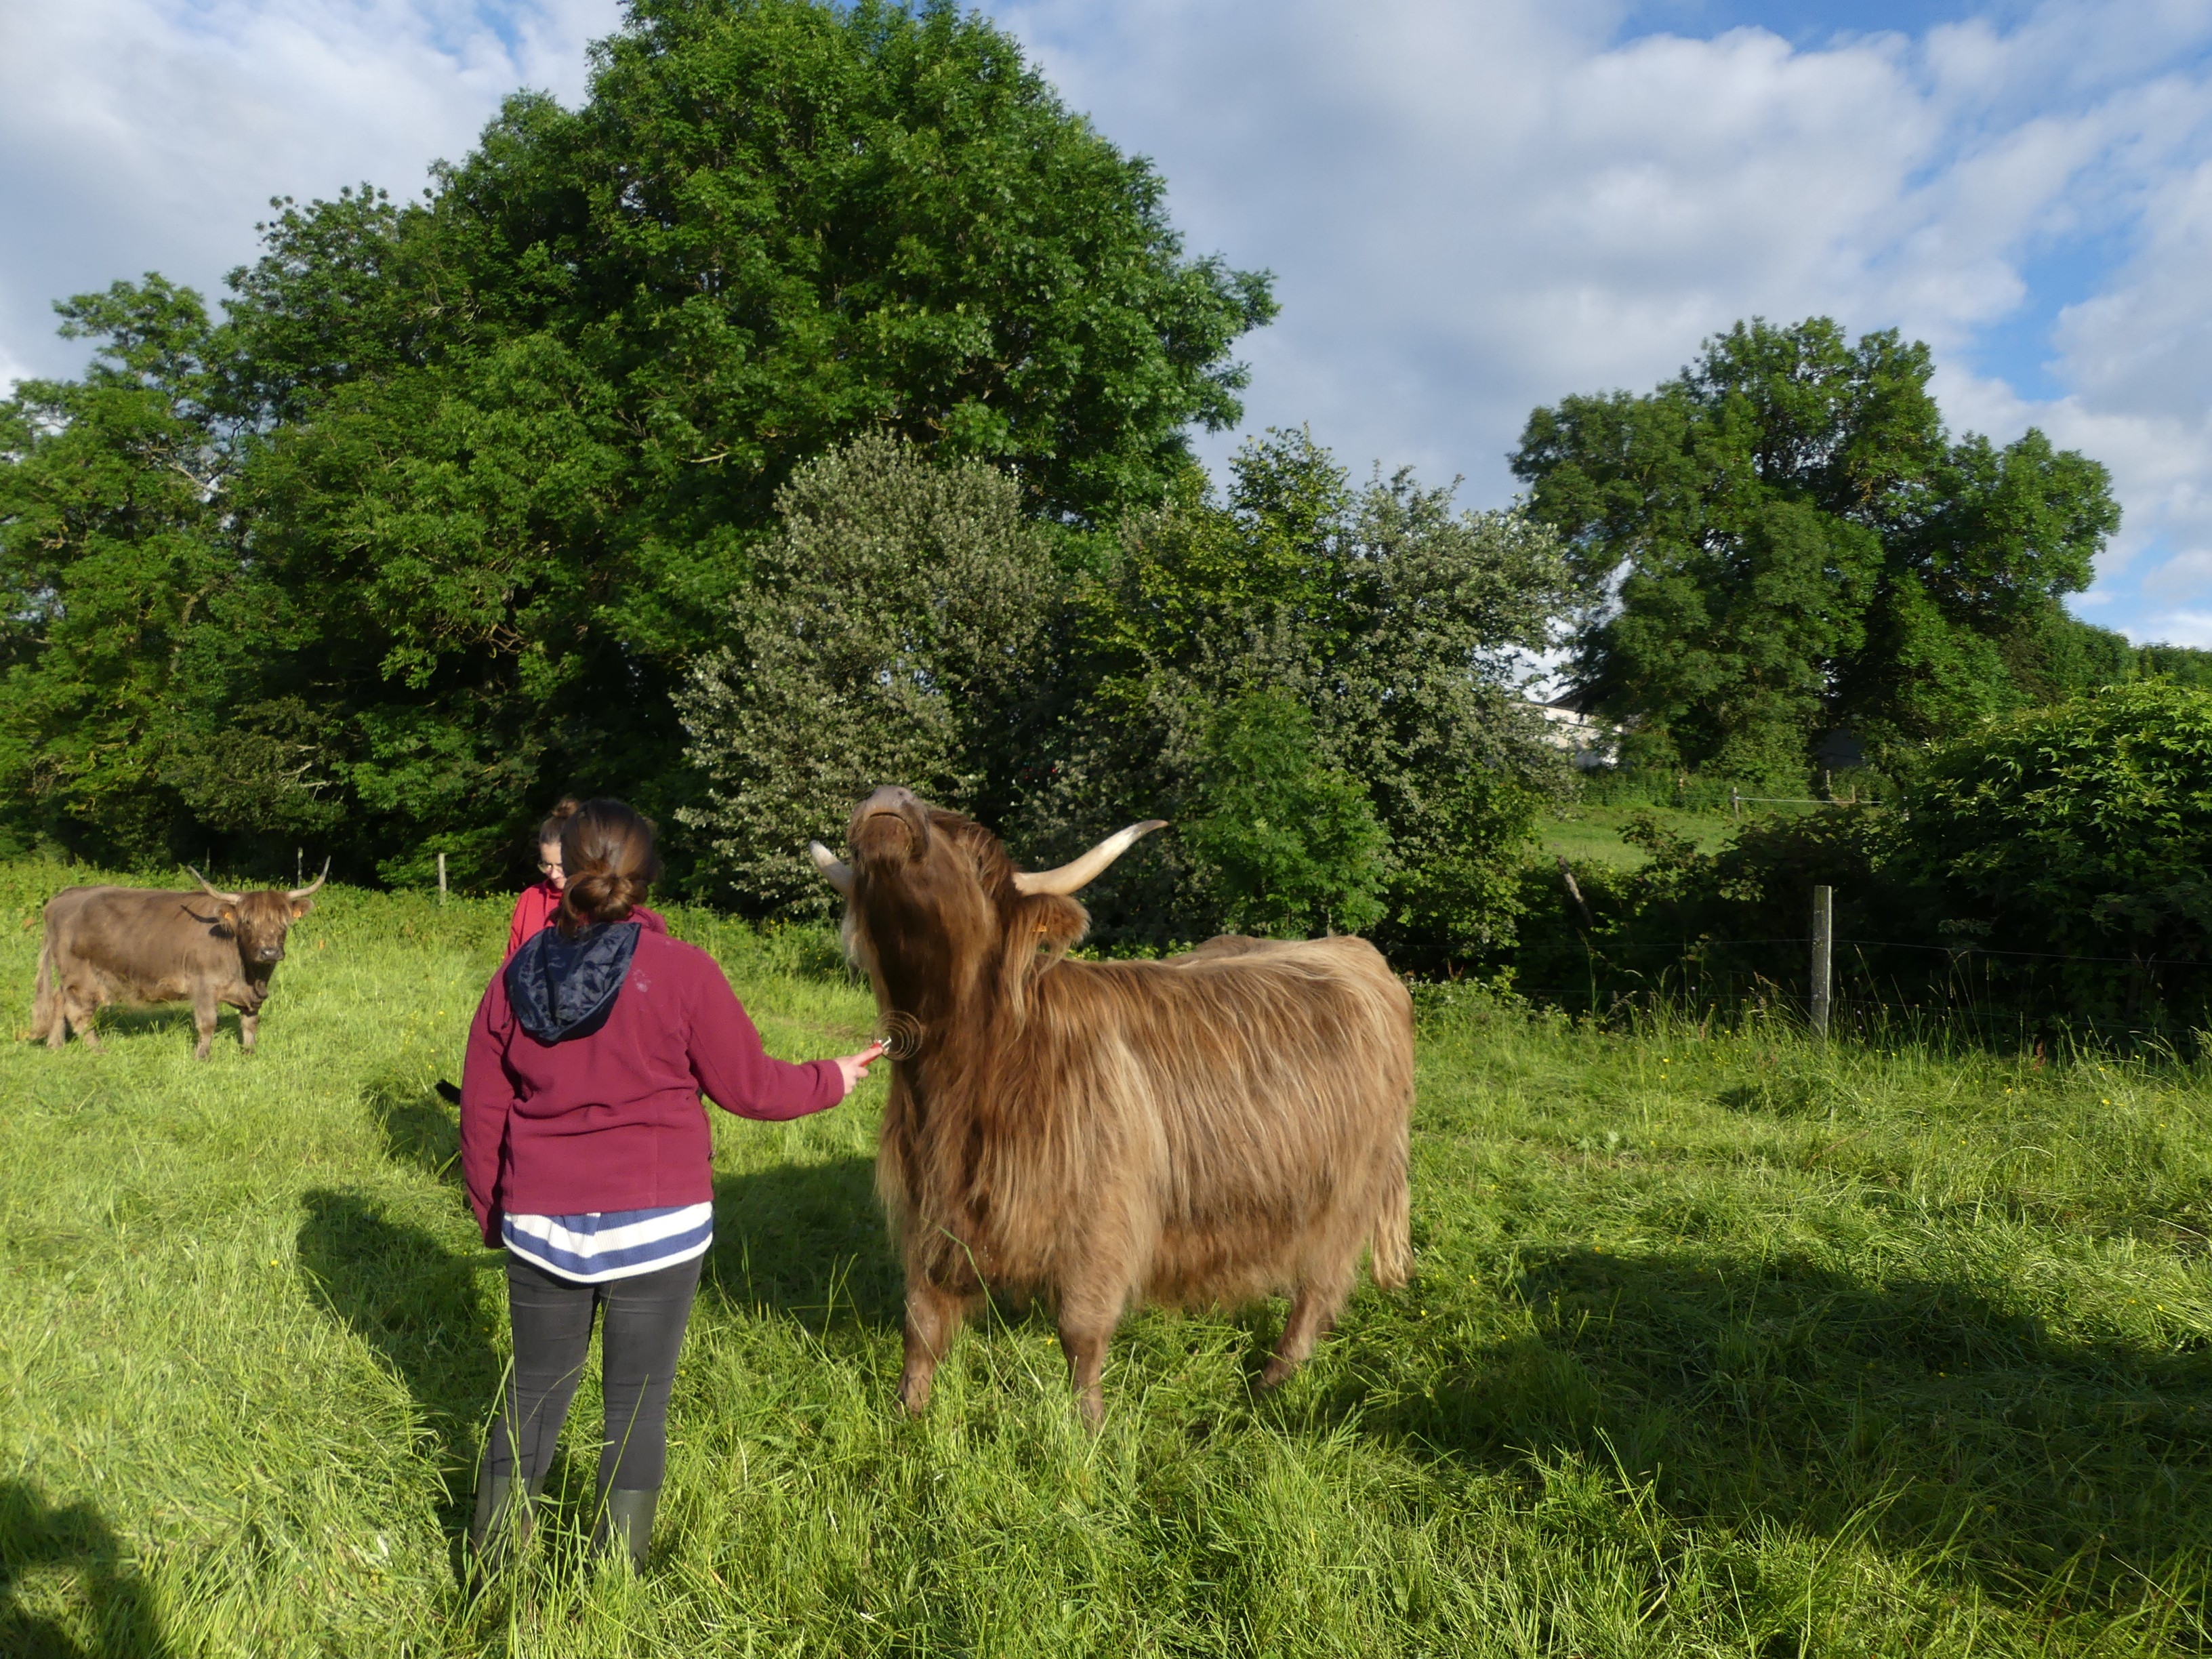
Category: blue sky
<point>1471,206</point>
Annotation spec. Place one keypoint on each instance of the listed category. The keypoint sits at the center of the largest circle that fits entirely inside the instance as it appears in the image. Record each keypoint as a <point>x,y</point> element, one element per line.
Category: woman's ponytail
<point>607,852</point>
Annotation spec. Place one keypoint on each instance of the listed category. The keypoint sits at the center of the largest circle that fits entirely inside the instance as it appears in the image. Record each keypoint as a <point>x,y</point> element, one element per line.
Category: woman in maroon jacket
<point>536,906</point>
<point>585,1150</point>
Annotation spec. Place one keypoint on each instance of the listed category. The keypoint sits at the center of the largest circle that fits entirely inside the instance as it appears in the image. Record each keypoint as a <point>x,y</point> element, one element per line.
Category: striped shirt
<point>605,1244</point>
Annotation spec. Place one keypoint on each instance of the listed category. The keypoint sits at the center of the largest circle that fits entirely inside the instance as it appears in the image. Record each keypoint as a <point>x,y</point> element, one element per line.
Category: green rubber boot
<point>503,1524</point>
<point>625,1524</point>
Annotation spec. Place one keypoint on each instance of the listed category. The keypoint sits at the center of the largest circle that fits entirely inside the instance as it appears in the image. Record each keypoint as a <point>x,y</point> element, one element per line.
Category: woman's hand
<point>854,1068</point>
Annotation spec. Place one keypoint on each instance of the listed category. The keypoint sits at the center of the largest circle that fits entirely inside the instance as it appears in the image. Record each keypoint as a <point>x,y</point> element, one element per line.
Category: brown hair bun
<point>563,810</point>
<point>606,849</point>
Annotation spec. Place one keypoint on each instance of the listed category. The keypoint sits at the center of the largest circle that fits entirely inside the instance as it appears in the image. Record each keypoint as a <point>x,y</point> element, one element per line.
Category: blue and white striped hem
<point>593,1248</point>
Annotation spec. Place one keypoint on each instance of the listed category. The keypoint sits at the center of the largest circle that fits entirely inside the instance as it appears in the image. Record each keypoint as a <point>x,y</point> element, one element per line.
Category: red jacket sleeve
<point>487,1097</point>
<point>736,1072</point>
<point>529,917</point>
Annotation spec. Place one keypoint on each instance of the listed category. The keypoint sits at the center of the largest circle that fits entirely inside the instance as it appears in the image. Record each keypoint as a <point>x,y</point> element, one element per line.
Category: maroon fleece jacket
<point>536,906</point>
<point>613,1120</point>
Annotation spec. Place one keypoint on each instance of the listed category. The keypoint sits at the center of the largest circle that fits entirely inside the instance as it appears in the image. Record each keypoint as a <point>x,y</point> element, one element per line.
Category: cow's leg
<point>1088,1315</point>
<point>933,1317</point>
<point>1084,1345</point>
<point>1314,1309</point>
<point>77,1011</point>
<point>204,1011</point>
<point>249,1025</point>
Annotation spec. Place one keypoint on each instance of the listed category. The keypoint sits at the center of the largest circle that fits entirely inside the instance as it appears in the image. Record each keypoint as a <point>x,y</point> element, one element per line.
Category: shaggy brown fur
<point>1205,1130</point>
<point>136,945</point>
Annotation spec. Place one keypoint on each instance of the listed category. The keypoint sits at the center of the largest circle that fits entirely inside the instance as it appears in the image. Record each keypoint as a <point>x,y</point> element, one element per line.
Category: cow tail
<point>46,1004</point>
<point>1391,1258</point>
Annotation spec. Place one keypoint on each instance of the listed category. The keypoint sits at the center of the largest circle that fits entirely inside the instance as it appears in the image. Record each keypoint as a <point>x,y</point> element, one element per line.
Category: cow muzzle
<point>890,823</point>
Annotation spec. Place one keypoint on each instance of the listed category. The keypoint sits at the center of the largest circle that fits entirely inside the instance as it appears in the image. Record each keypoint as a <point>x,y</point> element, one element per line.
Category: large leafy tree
<point>1296,639</point>
<point>134,707</point>
<point>496,461</point>
<point>1784,539</point>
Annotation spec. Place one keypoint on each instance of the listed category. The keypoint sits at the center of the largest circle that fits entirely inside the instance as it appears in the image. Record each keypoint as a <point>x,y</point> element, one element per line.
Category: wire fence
<point>1698,971</point>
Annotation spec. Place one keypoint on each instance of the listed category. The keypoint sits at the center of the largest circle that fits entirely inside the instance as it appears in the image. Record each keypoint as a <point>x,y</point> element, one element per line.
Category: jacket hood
<point>563,987</point>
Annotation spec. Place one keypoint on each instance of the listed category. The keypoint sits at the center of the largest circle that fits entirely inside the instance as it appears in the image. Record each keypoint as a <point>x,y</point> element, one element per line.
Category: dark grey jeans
<point>643,1329</point>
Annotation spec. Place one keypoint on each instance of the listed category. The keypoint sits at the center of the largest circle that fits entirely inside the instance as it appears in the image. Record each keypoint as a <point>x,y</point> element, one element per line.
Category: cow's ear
<point>1039,928</point>
<point>301,907</point>
<point>226,919</point>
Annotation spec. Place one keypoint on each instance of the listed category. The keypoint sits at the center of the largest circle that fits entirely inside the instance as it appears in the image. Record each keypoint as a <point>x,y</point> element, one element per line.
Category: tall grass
<point>1720,1343</point>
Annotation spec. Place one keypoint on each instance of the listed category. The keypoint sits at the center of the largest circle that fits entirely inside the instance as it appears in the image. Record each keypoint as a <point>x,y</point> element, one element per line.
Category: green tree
<point>894,632</point>
<point>1290,843</point>
<point>1395,622</point>
<point>2183,664</point>
<point>496,461</point>
<point>1783,540</point>
<point>132,703</point>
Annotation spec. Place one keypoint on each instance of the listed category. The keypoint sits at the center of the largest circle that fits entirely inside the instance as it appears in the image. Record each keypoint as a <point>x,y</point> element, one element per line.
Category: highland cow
<point>1201,1131</point>
<point>140,945</point>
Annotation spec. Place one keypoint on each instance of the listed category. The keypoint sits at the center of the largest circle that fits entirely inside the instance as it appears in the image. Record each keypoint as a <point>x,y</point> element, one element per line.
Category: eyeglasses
<point>545,869</point>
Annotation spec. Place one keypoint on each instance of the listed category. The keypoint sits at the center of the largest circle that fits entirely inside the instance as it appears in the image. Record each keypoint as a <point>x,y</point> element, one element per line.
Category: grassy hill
<point>1720,1344</point>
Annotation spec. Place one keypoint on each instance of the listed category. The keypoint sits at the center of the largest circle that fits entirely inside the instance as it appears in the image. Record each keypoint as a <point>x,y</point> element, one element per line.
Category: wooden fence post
<point>1824,941</point>
<point>442,878</point>
<point>1736,803</point>
<point>1575,892</point>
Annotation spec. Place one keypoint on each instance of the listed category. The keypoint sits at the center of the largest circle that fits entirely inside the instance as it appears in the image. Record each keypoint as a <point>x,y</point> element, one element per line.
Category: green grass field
<point>1593,832</point>
<point>1720,1344</point>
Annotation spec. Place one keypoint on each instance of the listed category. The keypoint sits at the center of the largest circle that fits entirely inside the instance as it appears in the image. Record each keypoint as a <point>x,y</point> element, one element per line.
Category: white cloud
<point>1473,210</point>
<point>138,135</point>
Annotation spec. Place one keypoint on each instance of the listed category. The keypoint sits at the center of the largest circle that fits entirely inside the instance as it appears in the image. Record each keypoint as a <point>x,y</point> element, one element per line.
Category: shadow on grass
<point>172,1020</point>
<point>1932,1418</point>
<point>37,1538</point>
<point>419,1128</point>
<point>806,1240</point>
<point>419,1303</point>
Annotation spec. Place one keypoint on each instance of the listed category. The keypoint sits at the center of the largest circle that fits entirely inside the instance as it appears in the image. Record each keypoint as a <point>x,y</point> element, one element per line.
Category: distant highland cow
<point>1202,1131</point>
<point>138,945</point>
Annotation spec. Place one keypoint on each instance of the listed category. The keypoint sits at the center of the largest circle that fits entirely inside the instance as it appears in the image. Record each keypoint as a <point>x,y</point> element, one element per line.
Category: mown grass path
<point>1719,1345</point>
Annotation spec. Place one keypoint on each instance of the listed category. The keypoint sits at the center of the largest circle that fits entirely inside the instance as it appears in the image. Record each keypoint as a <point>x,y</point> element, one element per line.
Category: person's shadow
<point>37,1538</point>
<point>806,1241</point>
<point>429,1310</point>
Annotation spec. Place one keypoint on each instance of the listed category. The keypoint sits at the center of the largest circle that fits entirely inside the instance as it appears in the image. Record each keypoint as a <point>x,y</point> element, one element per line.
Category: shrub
<point>893,630</point>
<point>2082,830</point>
<point>1288,843</point>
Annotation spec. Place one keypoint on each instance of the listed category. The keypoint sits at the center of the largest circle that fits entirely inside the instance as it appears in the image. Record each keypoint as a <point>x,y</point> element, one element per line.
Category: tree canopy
<point>436,521</point>
<point>1784,539</point>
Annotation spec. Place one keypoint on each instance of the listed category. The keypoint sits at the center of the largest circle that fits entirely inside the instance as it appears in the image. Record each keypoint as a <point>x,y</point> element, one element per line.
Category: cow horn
<point>839,873</point>
<point>1078,873</point>
<point>214,891</point>
<point>302,892</point>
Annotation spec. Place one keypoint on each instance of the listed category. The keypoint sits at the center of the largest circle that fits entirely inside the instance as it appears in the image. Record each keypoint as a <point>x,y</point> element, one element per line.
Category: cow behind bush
<point>1201,1131</point>
<point>138,945</point>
